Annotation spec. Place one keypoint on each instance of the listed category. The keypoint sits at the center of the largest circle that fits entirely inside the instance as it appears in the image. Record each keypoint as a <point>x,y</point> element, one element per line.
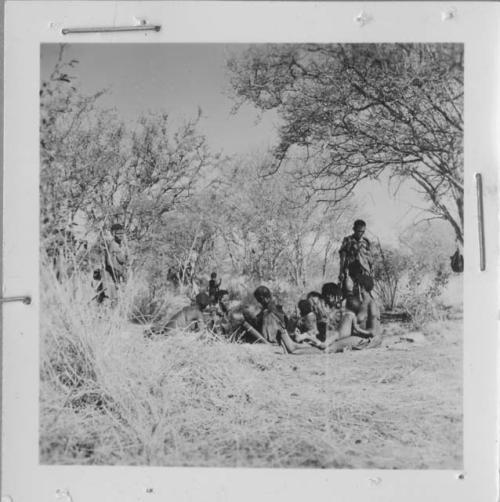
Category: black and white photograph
<point>251,255</point>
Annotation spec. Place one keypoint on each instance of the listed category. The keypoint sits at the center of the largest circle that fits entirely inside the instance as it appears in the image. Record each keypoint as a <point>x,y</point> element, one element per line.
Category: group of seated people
<point>328,321</point>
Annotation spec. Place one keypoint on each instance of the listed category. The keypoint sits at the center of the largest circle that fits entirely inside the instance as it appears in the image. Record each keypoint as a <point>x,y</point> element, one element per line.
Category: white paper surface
<point>28,24</point>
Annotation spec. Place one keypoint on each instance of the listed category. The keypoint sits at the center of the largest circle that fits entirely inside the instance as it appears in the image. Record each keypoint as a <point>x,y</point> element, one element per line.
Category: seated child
<point>307,328</point>
<point>321,313</point>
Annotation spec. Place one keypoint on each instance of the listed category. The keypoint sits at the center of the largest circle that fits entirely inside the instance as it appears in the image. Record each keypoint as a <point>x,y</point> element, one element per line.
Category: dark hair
<point>304,307</point>
<point>330,288</point>
<point>353,304</point>
<point>313,294</point>
<point>261,292</point>
<point>202,300</point>
<point>366,282</point>
<point>116,226</point>
<point>359,223</point>
<point>213,275</point>
<point>221,293</point>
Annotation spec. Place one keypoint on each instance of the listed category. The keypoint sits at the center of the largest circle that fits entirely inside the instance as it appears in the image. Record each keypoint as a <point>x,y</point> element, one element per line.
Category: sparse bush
<point>421,297</point>
<point>389,269</point>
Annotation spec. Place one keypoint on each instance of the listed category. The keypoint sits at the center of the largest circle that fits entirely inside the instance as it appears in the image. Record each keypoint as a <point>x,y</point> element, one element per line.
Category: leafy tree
<point>350,112</point>
<point>269,227</point>
<point>75,154</point>
<point>96,170</point>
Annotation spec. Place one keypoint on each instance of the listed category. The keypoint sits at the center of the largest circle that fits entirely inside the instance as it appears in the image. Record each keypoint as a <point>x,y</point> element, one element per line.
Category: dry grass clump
<point>111,396</point>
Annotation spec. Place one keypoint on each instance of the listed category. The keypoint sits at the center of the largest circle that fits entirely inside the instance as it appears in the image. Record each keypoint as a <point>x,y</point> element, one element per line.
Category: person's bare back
<point>189,318</point>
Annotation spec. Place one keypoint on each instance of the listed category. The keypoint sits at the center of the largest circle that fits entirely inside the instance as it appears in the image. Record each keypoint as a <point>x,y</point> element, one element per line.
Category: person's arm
<point>357,330</point>
<point>369,256</point>
<point>373,319</point>
<point>310,330</point>
<point>342,254</point>
<point>252,331</point>
<point>346,326</point>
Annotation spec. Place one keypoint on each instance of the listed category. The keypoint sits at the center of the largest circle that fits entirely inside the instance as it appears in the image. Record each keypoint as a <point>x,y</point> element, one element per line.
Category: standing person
<point>213,287</point>
<point>115,260</point>
<point>355,258</point>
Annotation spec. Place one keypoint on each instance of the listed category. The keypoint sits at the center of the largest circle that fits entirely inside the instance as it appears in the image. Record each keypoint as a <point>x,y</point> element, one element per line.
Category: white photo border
<point>29,24</point>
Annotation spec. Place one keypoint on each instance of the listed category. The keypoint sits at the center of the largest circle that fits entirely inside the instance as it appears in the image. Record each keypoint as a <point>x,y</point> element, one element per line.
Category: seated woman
<point>263,325</point>
<point>332,295</point>
<point>271,320</point>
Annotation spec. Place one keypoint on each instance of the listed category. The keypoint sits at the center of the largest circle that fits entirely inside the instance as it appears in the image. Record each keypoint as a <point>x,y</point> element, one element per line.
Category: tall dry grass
<point>111,396</point>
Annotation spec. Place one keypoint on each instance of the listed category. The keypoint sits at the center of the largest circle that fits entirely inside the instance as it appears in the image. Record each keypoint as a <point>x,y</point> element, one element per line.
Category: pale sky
<point>179,78</point>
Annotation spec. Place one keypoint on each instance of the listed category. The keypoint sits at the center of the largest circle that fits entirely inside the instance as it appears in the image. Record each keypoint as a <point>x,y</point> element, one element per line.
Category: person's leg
<point>349,342</point>
<point>375,342</point>
<point>291,347</point>
<point>373,325</point>
<point>347,286</point>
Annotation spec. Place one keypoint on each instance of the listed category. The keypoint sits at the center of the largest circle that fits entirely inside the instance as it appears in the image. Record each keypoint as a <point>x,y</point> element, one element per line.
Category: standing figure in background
<point>213,287</point>
<point>355,258</point>
<point>115,261</point>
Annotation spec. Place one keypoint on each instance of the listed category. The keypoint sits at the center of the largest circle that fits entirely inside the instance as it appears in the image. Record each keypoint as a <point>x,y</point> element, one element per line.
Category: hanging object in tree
<point>457,261</point>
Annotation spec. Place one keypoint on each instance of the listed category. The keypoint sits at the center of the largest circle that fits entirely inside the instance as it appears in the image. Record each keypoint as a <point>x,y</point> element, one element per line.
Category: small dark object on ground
<point>403,316</point>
